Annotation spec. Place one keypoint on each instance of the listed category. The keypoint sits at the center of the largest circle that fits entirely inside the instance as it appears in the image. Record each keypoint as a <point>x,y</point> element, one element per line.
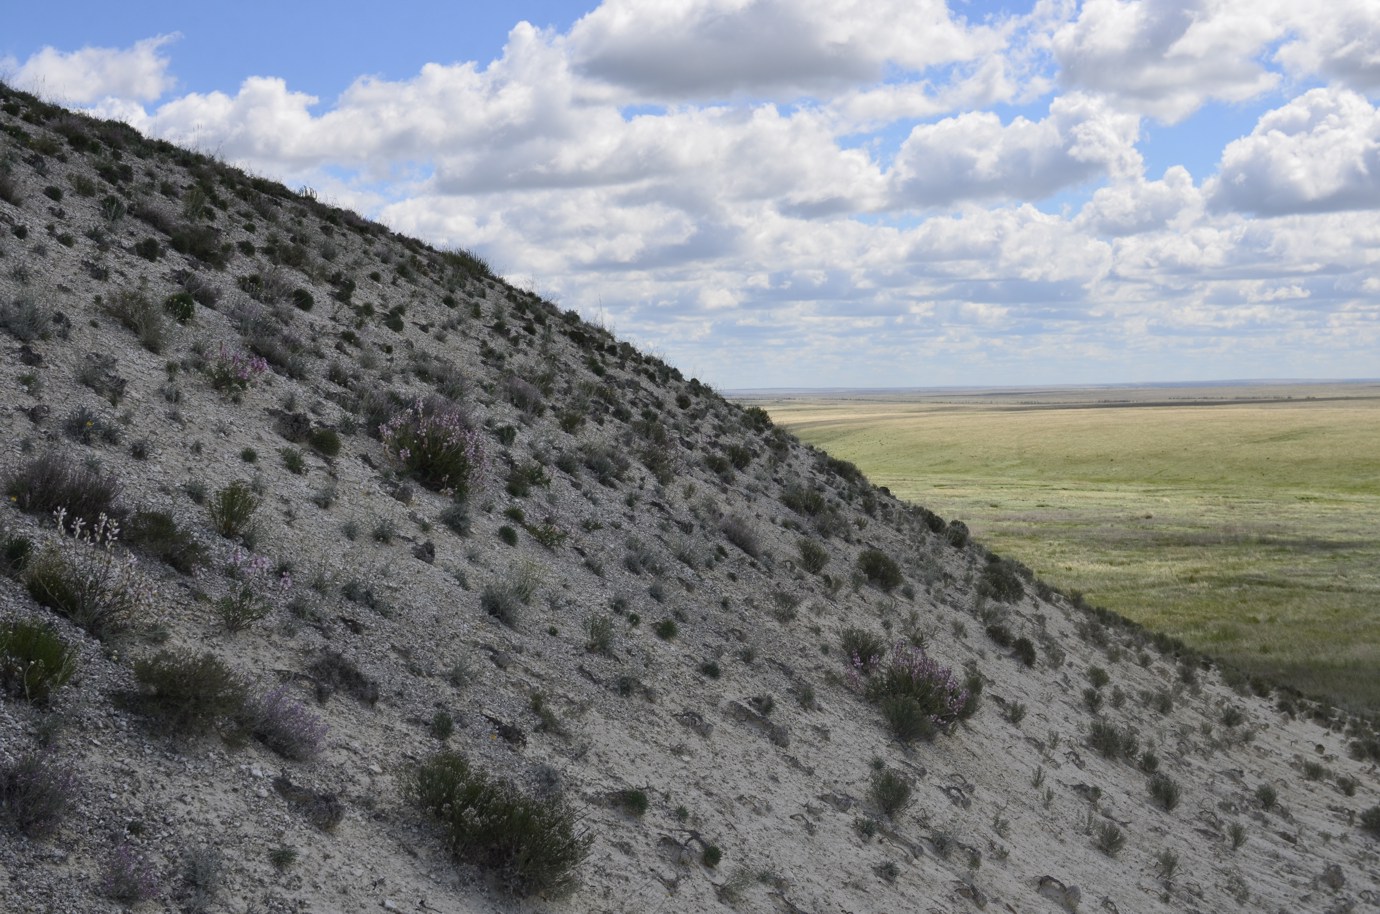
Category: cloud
<point>1318,153</point>
<point>138,73</point>
<point>1166,58</point>
<point>974,156</point>
<point>716,49</point>
<point>1135,206</point>
<point>1342,45</point>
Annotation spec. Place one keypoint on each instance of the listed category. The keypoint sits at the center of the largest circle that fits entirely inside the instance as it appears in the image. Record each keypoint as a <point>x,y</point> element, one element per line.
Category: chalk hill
<point>445,600</point>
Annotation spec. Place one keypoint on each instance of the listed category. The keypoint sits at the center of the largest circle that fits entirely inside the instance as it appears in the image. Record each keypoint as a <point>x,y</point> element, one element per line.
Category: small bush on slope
<point>532,844</point>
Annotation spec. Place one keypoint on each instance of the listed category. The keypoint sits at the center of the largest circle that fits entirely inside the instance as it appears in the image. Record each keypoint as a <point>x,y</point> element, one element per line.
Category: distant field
<point>1244,519</point>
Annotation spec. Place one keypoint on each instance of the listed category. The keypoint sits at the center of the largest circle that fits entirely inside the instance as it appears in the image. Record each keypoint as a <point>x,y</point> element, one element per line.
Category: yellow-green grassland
<point>1243,519</point>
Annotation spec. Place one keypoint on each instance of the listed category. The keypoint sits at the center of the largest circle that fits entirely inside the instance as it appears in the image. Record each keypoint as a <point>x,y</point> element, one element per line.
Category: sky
<point>816,193</point>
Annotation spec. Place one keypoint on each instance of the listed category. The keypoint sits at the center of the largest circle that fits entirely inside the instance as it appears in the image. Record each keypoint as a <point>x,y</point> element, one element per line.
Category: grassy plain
<point>1243,519</point>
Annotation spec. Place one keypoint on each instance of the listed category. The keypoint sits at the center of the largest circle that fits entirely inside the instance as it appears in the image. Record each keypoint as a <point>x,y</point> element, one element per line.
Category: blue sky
<point>792,193</point>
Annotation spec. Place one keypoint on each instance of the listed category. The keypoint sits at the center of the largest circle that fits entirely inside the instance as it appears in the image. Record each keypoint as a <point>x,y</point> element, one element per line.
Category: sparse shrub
<point>1164,790</point>
<point>522,477</point>
<point>232,511</point>
<point>246,603</point>
<point>740,532</point>
<point>53,481</point>
<point>813,556</point>
<point>141,315</point>
<point>1236,834</point>
<point>285,725</point>
<point>666,629</point>
<point>180,306</point>
<point>907,719</point>
<point>1266,796</point>
<point>634,801</point>
<point>157,534</point>
<point>294,460</point>
<point>508,535</point>
<point>1109,839</point>
<point>1314,771</point>
<point>1024,651</point>
<point>435,442</point>
<point>128,877</point>
<point>26,320</point>
<point>201,878</point>
<point>890,793</point>
<point>879,569</point>
<point>36,791</point>
<point>34,661</point>
<point>502,602</point>
<point>334,672</point>
<point>530,843</point>
<point>1015,712</point>
<point>189,694</point>
<point>87,578</point>
<point>862,648</point>
<point>1111,741</point>
<point>1098,677</point>
<point>15,553</point>
<point>1092,699</point>
<point>1369,821</point>
<point>711,669</point>
<point>1232,716</point>
<point>325,441</point>
<point>90,427</point>
<point>599,632</point>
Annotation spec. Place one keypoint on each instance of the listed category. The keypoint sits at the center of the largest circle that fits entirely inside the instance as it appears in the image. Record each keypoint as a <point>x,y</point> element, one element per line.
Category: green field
<point>1243,519</point>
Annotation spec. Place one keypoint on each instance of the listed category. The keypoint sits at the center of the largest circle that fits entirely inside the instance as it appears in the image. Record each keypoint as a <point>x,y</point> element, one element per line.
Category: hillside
<point>445,600</point>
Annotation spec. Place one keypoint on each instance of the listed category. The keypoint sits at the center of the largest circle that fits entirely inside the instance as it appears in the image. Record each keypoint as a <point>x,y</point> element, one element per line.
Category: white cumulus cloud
<point>1318,153</point>
<point>138,73</point>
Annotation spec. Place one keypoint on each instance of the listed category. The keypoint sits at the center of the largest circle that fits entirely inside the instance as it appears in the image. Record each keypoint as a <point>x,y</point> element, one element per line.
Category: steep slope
<point>392,496</point>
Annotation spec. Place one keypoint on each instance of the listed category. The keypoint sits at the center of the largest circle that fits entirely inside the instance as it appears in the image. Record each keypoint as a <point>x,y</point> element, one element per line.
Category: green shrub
<point>599,630</point>
<point>711,856</point>
<point>1001,581</point>
<point>879,569</point>
<point>890,793</point>
<point>666,629</point>
<point>813,556</point>
<point>141,315</point>
<point>189,695</point>
<point>1370,821</point>
<point>531,844</point>
<point>634,801</point>
<point>325,441</point>
<point>34,661</point>
<point>232,511</point>
<point>157,534</point>
<point>1109,839</point>
<point>1111,741</point>
<point>907,719</point>
<point>1267,796</point>
<point>861,647</point>
<point>501,602</point>
<point>1164,790</point>
<point>1024,651</point>
<point>738,531</point>
<point>181,306</point>
<point>294,460</point>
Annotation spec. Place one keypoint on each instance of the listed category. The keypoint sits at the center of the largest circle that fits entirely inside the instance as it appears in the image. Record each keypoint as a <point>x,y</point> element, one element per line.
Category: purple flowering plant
<point>435,442</point>
<point>909,673</point>
<point>286,725</point>
<point>235,372</point>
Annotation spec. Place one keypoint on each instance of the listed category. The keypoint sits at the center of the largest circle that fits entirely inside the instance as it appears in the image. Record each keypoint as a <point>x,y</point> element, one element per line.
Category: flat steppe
<point>1239,517</point>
